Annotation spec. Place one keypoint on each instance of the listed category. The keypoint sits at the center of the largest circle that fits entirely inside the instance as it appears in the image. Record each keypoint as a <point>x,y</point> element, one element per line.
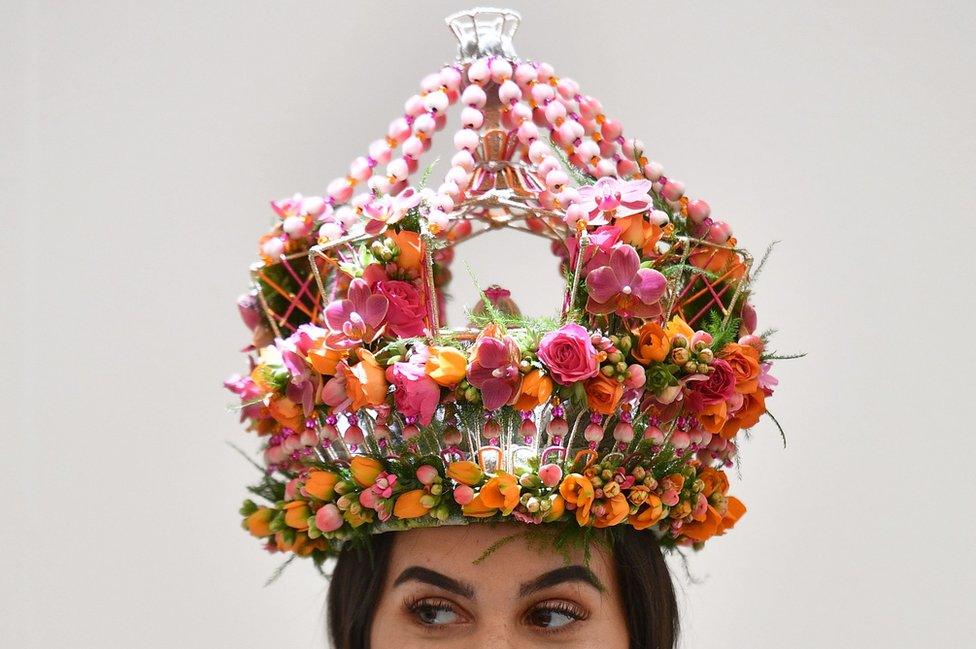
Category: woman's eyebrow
<point>559,576</point>
<point>434,578</point>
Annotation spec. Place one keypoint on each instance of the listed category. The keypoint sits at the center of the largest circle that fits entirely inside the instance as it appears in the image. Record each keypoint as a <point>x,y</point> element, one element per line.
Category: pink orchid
<point>388,210</point>
<point>614,197</point>
<point>299,205</point>
<point>358,317</point>
<point>623,287</point>
<point>250,394</point>
<point>597,253</point>
<point>766,380</point>
<point>301,384</point>
<point>334,393</point>
<point>494,370</point>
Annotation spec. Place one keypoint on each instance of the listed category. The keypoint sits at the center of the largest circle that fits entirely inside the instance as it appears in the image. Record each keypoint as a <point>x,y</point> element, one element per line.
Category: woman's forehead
<point>498,552</point>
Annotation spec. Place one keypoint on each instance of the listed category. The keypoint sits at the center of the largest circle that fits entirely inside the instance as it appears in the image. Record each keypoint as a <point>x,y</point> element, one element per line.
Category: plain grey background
<point>141,142</point>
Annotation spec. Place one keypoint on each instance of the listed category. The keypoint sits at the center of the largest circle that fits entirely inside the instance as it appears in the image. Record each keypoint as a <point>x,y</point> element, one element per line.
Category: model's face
<point>437,596</point>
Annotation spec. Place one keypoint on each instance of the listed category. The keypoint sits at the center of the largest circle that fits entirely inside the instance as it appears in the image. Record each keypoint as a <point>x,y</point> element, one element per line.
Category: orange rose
<point>501,493</point>
<point>649,514</point>
<point>465,472</point>
<point>715,481</point>
<point>446,366</point>
<point>286,412</point>
<point>409,244</point>
<point>578,491</point>
<point>364,470</point>
<point>713,416</point>
<point>616,510</point>
<point>365,382</point>
<point>320,484</point>
<point>535,390</point>
<point>603,394</point>
<point>409,505</point>
<point>258,523</point>
<point>324,359</point>
<point>653,344</point>
<point>727,264</point>
<point>639,232</point>
<point>700,531</point>
<point>679,326</point>
<point>753,407</point>
<point>296,514</point>
<point>734,512</point>
<point>744,361</point>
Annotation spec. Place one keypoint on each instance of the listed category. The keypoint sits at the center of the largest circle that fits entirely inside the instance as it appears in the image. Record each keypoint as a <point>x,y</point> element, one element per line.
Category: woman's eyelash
<point>429,604</point>
<point>568,609</point>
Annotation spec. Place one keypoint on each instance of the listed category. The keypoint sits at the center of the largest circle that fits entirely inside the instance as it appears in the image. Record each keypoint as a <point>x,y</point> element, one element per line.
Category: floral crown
<point>625,409</point>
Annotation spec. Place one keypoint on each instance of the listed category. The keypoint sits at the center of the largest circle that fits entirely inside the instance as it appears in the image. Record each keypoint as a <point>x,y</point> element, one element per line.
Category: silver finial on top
<point>484,31</point>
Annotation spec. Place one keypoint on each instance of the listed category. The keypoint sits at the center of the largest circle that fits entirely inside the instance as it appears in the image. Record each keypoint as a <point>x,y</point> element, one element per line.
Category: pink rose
<point>719,386</point>
<point>415,393</point>
<point>569,354</point>
<point>406,312</point>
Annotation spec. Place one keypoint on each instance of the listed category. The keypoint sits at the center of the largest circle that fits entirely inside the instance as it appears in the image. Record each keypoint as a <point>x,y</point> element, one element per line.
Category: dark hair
<point>645,587</point>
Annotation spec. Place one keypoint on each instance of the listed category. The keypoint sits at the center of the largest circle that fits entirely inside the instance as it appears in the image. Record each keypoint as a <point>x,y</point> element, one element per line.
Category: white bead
<point>459,176</point>
<point>424,124</point>
<point>500,70</point>
<point>463,159</point>
<point>555,112</point>
<point>431,82</point>
<point>450,189</point>
<point>474,96</point>
<point>451,78</point>
<point>414,106</point>
<point>521,112</point>
<point>436,101</point>
<point>360,169</point>
<point>538,151</point>
<point>542,93</point>
<point>556,179</point>
<point>605,168</point>
<point>466,139</point>
<point>524,73</point>
<point>413,147</point>
<point>509,92</point>
<point>472,117</point>
<point>380,151</point>
<point>398,169</point>
<point>528,133</point>
<point>479,71</point>
<point>588,150</point>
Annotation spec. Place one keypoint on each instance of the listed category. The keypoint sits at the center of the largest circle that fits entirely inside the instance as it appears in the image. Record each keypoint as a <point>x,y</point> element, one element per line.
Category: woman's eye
<point>553,618</point>
<point>434,614</point>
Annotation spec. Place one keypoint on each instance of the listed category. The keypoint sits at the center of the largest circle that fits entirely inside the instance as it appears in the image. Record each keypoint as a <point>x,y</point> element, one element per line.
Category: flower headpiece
<point>625,409</point>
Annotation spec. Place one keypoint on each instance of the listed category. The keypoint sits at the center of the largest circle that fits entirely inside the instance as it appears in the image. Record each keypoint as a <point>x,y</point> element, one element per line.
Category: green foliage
<point>722,333</point>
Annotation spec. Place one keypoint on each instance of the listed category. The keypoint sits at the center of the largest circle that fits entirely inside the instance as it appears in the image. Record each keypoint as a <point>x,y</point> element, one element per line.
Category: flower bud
<point>463,494</point>
<point>550,474</point>
<point>706,355</point>
<point>681,355</point>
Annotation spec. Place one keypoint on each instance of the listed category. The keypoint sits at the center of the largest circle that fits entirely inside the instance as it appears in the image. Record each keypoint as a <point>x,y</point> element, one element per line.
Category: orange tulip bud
<point>296,514</point>
<point>465,472</point>
<point>557,509</point>
<point>409,505</point>
<point>320,484</point>
<point>364,470</point>
<point>258,522</point>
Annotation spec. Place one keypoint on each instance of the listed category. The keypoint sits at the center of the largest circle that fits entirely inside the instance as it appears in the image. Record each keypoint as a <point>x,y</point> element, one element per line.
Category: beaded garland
<point>624,409</point>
